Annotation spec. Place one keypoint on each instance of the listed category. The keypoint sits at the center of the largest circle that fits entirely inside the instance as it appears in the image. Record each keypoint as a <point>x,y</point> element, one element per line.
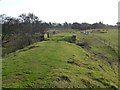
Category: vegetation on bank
<point>89,62</point>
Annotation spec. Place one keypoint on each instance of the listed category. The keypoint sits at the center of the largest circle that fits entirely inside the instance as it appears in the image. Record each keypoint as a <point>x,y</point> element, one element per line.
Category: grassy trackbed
<point>58,63</point>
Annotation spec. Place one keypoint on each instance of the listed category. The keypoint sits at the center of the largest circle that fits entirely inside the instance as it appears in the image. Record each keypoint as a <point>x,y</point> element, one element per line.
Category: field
<point>90,62</point>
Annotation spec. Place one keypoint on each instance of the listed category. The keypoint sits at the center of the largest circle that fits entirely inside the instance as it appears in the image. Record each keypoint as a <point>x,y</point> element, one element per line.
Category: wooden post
<point>74,38</point>
<point>53,32</point>
<point>48,35</point>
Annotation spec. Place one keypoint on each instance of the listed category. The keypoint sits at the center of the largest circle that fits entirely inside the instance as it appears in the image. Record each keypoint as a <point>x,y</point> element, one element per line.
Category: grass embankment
<point>58,63</point>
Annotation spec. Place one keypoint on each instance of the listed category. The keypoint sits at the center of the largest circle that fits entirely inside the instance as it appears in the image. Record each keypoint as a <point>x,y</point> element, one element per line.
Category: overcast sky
<point>90,11</point>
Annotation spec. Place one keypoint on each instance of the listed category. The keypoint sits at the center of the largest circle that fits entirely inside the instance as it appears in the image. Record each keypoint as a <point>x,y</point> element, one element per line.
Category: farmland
<point>90,62</point>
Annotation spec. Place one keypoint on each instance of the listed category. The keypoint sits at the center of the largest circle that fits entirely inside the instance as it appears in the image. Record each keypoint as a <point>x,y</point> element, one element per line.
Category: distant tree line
<point>82,26</point>
<point>18,32</point>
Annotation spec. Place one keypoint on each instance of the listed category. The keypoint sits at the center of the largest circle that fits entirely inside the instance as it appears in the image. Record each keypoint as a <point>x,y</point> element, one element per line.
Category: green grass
<point>110,38</point>
<point>58,63</point>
